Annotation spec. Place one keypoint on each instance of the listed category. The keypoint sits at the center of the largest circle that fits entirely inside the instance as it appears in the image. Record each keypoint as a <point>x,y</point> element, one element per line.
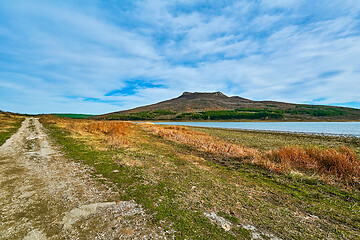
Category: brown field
<point>7,120</point>
<point>341,164</point>
<point>202,141</point>
<point>9,123</point>
<point>217,184</point>
<point>115,134</point>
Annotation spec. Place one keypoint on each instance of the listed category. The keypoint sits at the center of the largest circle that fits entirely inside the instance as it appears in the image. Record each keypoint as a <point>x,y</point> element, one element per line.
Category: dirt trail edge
<point>44,196</point>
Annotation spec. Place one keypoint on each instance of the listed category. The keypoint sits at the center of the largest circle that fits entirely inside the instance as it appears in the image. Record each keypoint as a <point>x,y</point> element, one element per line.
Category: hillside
<point>218,106</point>
<point>72,115</point>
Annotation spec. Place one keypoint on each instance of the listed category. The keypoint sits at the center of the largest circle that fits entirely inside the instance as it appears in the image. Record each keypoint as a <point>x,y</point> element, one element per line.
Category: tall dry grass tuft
<point>114,133</point>
<point>292,157</point>
<point>201,141</point>
<point>341,163</point>
<point>7,120</point>
<point>102,127</point>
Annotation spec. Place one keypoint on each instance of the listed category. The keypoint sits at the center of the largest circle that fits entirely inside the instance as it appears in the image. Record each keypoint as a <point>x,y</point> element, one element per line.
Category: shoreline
<point>239,120</point>
<point>343,135</point>
<point>298,134</point>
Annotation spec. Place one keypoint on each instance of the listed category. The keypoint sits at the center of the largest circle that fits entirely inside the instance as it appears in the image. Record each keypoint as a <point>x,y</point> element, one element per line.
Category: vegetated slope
<point>195,102</point>
<point>218,106</point>
<point>73,115</point>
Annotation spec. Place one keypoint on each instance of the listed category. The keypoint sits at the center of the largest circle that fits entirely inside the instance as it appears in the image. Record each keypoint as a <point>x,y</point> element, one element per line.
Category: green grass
<point>207,115</point>
<point>317,111</point>
<point>157,198</point>
<point>233,114</point>
<point>260,113</point>
<point>73,115</point>
<point>176,184</point>
<point>147,115</point>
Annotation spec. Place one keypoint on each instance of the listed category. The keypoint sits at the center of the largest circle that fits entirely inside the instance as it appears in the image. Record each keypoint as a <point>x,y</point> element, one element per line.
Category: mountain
<point>218,106</point>
<point>199,101</point>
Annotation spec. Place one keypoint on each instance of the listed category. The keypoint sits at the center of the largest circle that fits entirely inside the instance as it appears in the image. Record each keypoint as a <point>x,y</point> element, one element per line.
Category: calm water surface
<point>329,128</point>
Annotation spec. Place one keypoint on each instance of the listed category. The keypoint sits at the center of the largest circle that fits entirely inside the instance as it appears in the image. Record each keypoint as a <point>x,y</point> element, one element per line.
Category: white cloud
<point>265,21</point>
<point>281,3</point>
<point>57,50</point>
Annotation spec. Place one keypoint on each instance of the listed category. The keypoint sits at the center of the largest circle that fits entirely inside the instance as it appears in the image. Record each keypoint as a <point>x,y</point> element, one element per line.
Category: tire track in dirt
<point>44,196</point>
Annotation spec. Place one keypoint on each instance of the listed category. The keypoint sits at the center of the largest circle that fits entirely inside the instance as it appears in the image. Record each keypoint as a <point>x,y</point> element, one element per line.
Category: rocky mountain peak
<point>203,95</point>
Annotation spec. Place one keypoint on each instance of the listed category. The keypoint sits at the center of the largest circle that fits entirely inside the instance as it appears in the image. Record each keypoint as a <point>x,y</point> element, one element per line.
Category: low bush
<point>115,133</point>
<point>341,163</point>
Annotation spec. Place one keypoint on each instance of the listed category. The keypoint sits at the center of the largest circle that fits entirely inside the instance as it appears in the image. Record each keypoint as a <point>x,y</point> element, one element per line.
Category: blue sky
<point>90,56</point>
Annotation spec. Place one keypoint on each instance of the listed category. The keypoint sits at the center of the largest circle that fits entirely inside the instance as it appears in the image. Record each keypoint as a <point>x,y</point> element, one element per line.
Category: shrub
<point>341,163</point>
<point>114,133</point>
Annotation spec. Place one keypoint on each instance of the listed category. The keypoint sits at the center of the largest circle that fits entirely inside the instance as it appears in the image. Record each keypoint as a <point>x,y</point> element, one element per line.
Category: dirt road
<point>44,196</point>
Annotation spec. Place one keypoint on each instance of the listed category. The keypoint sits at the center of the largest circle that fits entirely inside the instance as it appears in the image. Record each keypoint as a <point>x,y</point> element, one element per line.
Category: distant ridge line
<point>198,102</point>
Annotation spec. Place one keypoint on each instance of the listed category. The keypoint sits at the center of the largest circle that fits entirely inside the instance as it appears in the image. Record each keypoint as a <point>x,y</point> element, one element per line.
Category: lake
<point>328,128</point>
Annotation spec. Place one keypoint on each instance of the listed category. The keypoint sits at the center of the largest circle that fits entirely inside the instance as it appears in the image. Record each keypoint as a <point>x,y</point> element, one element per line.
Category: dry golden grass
<point>201,141</point>
<point>341,164</point>
<point>331,164</point>
<point>9,124</point>
<point>114,133</point>
<point>7,120</point>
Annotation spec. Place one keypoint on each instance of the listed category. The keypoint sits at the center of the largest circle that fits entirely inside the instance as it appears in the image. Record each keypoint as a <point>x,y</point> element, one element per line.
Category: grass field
<point>212,192</point>
<point>73,115</point>
<point>267,140</point>
<point>9,124</point>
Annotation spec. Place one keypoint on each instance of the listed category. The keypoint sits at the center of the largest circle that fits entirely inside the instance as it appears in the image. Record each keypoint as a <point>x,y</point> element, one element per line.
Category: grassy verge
<point>331,164</point>
<point>177,184</point>
<point>9,124</point>
<point>267,140</point>
<point>158,197</point>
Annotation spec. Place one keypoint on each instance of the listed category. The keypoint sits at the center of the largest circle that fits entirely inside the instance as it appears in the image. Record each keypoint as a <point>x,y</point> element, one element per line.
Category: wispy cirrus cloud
<point>77,56</point>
